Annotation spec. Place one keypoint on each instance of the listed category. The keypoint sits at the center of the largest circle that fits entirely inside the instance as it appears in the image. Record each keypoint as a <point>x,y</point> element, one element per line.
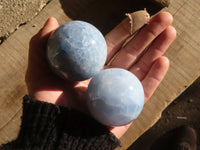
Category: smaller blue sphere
<point>76,51</point>
<point>115,97</point>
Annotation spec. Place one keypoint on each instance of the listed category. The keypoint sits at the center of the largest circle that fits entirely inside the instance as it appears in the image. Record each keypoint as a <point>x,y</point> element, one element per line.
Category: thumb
<point>39,40</point>
<point>50,25</point>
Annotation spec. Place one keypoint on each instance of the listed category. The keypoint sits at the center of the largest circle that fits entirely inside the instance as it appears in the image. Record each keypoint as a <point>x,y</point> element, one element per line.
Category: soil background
<point>185,110</point>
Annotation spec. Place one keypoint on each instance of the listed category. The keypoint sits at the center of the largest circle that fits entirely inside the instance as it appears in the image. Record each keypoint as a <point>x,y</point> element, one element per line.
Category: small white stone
<point>1,6</point>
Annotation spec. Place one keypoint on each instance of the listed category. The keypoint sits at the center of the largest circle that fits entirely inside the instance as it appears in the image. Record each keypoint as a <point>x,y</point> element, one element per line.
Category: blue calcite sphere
<point>115,97</point>
<point>76,50</point>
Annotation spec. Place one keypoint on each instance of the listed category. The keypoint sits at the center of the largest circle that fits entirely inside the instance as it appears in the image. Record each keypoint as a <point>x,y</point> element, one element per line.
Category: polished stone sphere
<point>115,97</point>
<point>76,51</point>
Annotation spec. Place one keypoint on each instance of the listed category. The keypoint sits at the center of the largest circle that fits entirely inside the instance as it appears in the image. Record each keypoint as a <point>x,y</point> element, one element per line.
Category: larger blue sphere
<point>76,50</point>
<point>115,97</point>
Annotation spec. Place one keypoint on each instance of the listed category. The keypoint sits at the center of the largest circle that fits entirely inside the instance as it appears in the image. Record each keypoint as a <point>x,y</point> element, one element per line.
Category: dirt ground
<point>185,110</point>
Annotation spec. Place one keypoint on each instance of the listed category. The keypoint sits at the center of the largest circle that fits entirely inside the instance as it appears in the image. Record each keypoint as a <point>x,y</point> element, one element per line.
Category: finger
<point>129,54</point>
<point>41,37</point>
<point>155,76</point>
<point>37,47</point>
<point>117,37</point>
<point>119,131</point>
<point>50,25</point>
<point>38,42</point>
<point>157,49</point>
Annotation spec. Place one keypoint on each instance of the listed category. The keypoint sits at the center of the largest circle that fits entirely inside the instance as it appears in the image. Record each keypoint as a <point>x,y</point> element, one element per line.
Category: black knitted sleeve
<point>49,127</point>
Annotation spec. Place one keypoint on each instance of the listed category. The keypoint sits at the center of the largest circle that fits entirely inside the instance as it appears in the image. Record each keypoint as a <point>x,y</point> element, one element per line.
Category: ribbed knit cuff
<point>47,126</point>
<point>38,122</point>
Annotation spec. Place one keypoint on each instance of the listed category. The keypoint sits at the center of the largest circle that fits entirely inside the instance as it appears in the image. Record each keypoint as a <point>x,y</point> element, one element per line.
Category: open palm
<point>143,56</point>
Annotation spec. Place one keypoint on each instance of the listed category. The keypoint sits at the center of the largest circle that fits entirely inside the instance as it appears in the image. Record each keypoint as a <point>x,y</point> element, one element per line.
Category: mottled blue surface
<point>115,97</point>
<point>76,50</point>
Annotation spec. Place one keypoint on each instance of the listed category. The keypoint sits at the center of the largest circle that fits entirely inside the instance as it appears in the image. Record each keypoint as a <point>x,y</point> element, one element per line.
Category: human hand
<point>150,67</point>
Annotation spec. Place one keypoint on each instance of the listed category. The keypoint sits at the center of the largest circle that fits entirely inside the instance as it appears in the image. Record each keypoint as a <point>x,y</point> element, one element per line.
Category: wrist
<point>55,127</point>
<point>46,96</point>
